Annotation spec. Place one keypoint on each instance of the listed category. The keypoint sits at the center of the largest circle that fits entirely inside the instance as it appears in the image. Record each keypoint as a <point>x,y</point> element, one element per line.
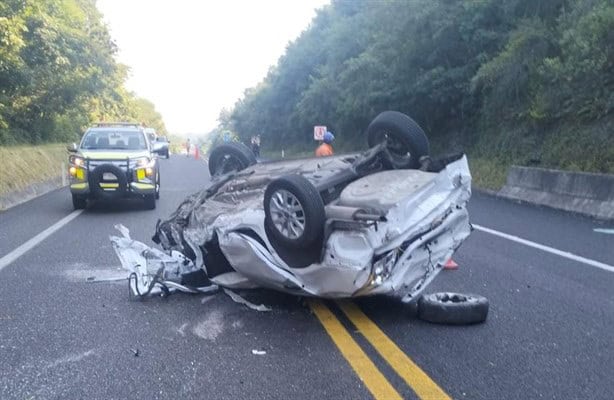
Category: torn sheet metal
<point>238,299</point>
<point>152,271</point>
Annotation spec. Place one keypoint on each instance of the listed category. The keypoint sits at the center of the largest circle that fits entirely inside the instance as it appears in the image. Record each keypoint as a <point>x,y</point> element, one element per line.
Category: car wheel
<point>79,202</point>
<point>229,157</point>
<point>453,308</point>
<point>405,141</point>
<point>150,201</point>
<point>167,155</point>
<point>294,212</point>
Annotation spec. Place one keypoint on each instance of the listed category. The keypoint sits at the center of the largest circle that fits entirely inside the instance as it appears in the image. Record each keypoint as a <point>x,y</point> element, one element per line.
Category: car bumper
<point>134,189</point>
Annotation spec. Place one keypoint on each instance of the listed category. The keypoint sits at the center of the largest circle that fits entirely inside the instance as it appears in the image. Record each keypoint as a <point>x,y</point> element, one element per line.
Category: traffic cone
<point>450,264</point>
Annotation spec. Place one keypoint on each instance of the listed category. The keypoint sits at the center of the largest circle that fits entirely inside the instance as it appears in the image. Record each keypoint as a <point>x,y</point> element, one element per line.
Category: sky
<point>192,58</point>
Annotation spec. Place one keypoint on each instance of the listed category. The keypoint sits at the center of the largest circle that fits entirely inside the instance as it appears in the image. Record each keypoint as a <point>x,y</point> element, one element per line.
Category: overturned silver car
<point>381,222</point>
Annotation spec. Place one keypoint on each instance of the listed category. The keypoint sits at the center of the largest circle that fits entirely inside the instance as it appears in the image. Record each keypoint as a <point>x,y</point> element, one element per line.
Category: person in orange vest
<point>326,148</point>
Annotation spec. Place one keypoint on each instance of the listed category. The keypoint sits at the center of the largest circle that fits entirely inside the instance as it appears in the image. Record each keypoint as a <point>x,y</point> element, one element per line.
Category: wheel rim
<point>397,150</point>
<point>287,214</point>
<point>228,163</point>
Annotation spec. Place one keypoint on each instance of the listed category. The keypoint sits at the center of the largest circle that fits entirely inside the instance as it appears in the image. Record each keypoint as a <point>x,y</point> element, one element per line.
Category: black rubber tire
<point>236,155</point>
<point>407,140</point>
<point>150,201</point>
<point>313,211</point>
<point>167,154</point>
<point>453,308</point>
<point>95,177</point>
<point>79,202</point>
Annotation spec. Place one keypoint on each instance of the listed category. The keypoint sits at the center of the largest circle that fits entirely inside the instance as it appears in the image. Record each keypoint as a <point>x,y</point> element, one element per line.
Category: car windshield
<point>114,140</point>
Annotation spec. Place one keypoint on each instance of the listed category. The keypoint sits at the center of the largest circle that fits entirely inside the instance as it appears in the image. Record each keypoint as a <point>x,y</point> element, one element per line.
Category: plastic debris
<point>450,264</point>
<point>606,231</point>
<point>238,299</point>
<point>258,352</point>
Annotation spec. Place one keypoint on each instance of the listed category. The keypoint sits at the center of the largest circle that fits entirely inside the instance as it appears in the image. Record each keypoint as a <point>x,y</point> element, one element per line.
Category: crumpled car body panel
<point>424,221</point>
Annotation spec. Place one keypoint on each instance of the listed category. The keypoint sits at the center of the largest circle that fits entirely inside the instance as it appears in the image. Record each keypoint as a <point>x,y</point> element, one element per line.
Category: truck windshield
<point>113,140</point>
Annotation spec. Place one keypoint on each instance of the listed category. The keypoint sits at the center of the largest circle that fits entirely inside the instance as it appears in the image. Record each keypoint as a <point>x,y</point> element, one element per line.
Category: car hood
<point>113,154</point>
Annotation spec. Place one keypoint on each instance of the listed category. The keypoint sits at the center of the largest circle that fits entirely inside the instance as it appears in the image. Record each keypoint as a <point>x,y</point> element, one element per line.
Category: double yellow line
<point>374,380</point>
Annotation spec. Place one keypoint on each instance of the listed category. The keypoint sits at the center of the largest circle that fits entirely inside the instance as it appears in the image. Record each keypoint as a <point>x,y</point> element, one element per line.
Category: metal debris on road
<point>93,279</point>
<point>153,271</point>
<point>238,299</point>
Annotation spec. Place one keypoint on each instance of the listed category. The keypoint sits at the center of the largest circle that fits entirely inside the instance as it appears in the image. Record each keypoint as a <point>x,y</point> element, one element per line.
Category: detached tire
<point>453,308</point>
<point>406,141</point>
<point>230,156</point>
<point>294,212</point>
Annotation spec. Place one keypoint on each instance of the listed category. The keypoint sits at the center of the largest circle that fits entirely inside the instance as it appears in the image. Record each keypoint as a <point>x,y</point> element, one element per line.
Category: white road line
<point>30,244</point>
<point>548,249</point>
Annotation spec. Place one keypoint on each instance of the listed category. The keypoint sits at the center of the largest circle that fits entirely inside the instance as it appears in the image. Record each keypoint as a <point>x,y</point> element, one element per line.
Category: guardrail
<point>580,192</point>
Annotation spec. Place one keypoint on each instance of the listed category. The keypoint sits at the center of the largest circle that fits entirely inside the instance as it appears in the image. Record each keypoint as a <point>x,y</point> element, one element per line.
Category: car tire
<point>79,202</point>
<point>228,157</point>
<point>167,155</point>
<point>453,308</point>
<point>294,212</point>
<point>150,201</point>
<point>406,141</point>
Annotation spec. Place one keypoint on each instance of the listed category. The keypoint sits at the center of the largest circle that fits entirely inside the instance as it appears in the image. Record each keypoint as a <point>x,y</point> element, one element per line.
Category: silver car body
<point>425,221</point>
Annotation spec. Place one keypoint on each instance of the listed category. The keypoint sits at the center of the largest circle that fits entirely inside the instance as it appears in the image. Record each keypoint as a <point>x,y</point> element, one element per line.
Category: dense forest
<point>58,73</point>
<point>515,81</point>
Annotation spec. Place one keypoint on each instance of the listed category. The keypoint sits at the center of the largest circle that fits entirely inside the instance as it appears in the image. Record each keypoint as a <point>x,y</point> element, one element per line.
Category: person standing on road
<point>256,145</point>
<point>326,149</point>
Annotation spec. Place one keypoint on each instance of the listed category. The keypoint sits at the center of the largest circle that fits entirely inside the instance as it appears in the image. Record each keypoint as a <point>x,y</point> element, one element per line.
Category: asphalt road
<point>549,333</point>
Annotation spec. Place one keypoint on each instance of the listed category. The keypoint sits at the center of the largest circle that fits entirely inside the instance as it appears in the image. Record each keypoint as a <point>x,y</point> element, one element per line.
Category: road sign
<point>318,132</point>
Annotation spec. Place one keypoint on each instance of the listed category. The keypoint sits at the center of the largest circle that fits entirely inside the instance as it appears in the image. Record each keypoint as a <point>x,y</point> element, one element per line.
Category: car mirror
<point>157,148</point>
<point>72,148</point>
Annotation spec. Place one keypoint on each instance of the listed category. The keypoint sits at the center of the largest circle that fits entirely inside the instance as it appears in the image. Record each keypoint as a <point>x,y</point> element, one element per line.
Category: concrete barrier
<point>11,199</point>
<point>580,192</point>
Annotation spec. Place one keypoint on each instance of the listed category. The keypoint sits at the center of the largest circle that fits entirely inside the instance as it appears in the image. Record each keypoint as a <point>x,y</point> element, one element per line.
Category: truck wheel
<point>96,177</point>
<point>229,157</point>
<point>405,140</point>
<point>294,212</point>
<point>453,308</point>
<point>79,202</point>
<point>150,201</point>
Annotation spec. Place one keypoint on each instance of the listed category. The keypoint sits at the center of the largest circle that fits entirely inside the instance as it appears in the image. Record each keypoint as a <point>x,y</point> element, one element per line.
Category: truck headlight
<point>76,160</point>
<point>142,162</point>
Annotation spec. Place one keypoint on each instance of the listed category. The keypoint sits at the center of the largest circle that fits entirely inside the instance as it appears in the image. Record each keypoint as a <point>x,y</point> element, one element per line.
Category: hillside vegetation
<point>517,81</point>
<point>58,73</point>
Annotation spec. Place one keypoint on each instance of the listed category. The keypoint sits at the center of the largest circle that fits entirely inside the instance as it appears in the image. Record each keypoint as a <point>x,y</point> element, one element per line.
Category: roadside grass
<point>270,154</point>
<point>488,173</point>
<point>21,166</point>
